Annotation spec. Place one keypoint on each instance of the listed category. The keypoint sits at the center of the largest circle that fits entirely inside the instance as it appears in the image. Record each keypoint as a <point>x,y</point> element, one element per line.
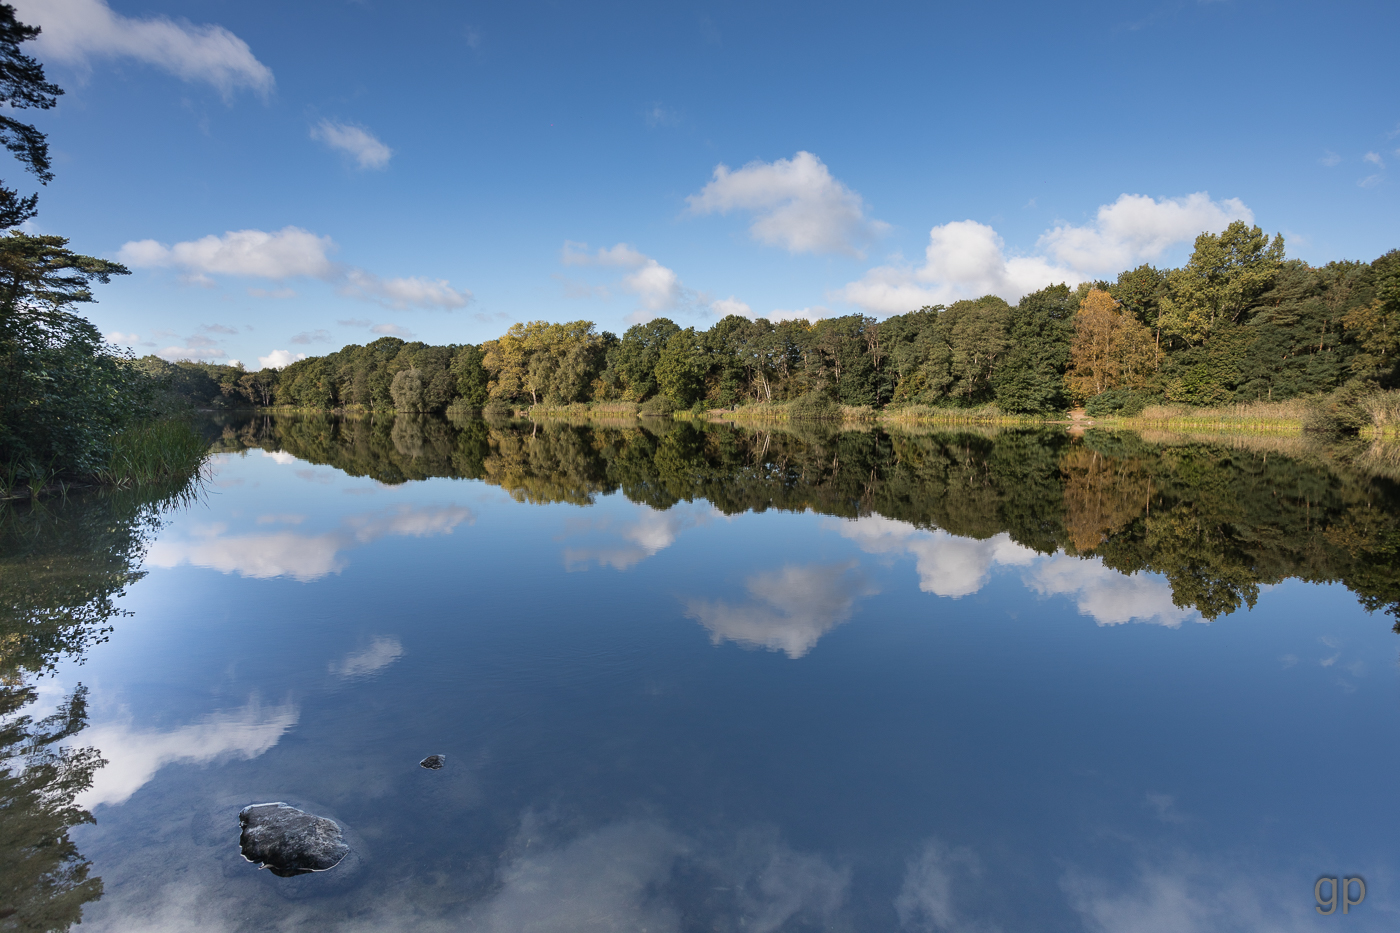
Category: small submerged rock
<point>433,762</point>
<point>289,841</point>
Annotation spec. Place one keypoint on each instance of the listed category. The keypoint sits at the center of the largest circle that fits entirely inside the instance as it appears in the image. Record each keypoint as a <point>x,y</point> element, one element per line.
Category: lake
<point>705,677</point>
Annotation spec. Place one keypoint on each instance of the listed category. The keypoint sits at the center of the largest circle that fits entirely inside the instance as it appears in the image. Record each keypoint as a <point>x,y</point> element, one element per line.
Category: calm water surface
<point>720,679</point>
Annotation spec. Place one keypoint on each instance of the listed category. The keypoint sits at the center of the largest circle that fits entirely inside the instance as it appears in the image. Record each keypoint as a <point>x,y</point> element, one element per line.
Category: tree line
<point>1237,323</point>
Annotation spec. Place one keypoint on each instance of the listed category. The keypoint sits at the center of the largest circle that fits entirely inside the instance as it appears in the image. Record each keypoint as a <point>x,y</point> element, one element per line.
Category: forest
<point>1238,323</point>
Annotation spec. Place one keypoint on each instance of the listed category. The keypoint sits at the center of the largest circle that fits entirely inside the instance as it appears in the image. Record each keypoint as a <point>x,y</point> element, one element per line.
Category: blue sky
<point>289,178</point>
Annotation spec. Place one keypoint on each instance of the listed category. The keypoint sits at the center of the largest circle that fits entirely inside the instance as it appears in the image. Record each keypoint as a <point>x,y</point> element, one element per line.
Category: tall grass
<point>153,452</point>
<point>980,414</point>
<point>1285,417</point>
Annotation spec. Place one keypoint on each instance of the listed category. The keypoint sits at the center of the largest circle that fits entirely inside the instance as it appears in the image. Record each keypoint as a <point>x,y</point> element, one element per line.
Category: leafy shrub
<point>1123,402</point>
<point>814,406</point>
<point>1341,414</point>
<point>658,405</point>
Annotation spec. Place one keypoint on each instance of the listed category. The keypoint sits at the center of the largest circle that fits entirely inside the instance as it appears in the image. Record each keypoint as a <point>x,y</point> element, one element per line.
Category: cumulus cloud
<point>1136,229</point>
<point>118,337</point>
<point>1374,158</point>
<point>355,141</point>
<point>289,253</point>
<point>791,608</point>
<point>724,307</point>
<point>382,652</point>
<point>412,292</point>
<point>134,757</point>
<point>967,259</point>
<point>78,31</point>
<point>391,330</point>
<point>796,204</point>
<point>279,359</point>
<point>299,556</point>
<point>658,289</point>
<point>964,259</point>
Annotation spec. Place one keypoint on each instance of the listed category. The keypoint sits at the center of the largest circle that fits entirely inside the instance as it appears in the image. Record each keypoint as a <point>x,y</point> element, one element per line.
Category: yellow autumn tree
<point>1109,349</point>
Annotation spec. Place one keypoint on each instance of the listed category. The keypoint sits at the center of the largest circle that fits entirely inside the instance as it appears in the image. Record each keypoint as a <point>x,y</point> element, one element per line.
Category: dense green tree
<point>63,392</point>
<point>22,86</point>
<point>1031,377</point>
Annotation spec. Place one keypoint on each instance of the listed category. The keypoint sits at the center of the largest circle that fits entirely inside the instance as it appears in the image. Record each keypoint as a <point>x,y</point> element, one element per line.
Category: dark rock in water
<point>289,841</point>
<point>433,762</point>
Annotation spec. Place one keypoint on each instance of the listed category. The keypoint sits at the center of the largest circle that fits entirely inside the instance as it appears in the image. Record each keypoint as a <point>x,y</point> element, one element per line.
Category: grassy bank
<point>152,452</point>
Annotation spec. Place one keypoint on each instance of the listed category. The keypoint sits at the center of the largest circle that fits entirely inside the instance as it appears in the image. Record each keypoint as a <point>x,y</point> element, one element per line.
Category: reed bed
<point>980,414</point>
<point>1256,417</point>
<point>153,452</point>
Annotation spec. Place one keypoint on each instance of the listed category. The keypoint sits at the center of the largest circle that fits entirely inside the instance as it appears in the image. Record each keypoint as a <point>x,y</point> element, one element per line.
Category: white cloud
<point>311,336</point>
<point>1136,229</point>
<point>277,293</point>
<point>401,293</point>
<point>118,337</point>
<point>792,608</point>
<point>1330,158</point>
<point>77,31</point>
<point>657,288</point>
<point>279,359</point>
<point>287,253</point>
<point>196,350</point>
<point>731,305</point>
<point>391,330</point>
<point>301,557</point>
<point>577,254</point>
<point>796,204</point>
<point>1374,158</point>
<point>964,259</point>
<point>382,652</point>
<point>814,313</point>
<point>661,116</point>
<point>967,259</point>
<point>133,757</point>
<point>356,141</point>
<point>1370,181</point>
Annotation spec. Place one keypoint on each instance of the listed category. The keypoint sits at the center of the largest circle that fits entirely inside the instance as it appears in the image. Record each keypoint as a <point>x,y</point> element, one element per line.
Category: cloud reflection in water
<point>792,608</point>
<point>302,557</point>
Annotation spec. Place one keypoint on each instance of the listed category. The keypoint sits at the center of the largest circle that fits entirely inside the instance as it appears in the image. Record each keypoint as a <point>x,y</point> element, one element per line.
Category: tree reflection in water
<point>63,565</point>
<point>1217,517</point>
